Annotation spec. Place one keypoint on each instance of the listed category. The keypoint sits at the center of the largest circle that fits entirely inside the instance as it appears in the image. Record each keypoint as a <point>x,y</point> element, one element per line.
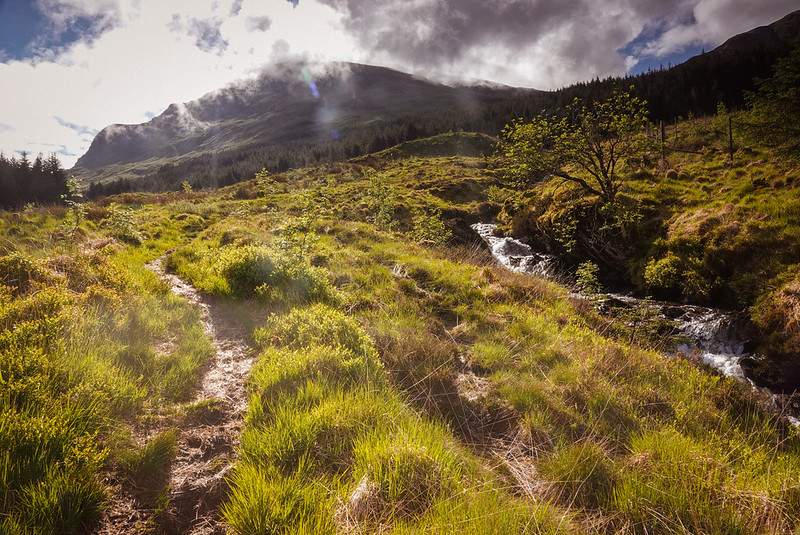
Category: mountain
<point>289,110</point>
<point>295,113</point>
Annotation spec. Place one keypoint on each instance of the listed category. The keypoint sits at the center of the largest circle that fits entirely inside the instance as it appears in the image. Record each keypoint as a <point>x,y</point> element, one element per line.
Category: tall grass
<point>83,348</point>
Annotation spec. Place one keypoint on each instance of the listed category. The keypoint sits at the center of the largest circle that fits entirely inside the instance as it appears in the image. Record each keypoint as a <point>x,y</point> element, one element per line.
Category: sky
<point>68,68</point>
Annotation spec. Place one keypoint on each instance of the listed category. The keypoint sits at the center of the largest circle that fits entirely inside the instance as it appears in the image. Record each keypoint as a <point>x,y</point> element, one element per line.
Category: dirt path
<point>206,447</point>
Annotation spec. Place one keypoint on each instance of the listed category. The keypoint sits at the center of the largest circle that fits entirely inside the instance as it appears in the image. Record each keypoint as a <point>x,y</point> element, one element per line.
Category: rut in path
<point>205,448</point>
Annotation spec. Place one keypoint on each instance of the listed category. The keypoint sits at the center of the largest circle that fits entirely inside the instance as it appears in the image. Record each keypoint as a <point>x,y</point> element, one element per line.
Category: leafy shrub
<point>85,270</point>
<point>777,313</point>
<point>253,271</point>
<point>664,274</point>
<point>121,223</point>
<point>42,306</point>
<point>586,278</point>
<point>428,228</point>
<point>381,200</point>
<point>191,222</point>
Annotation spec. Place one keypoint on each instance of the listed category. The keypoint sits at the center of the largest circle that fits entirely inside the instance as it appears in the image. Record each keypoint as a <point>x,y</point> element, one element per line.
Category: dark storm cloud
<point>260,24</point>
<point>430,32</point>
<point>207,34</point>
<point>568,38</point>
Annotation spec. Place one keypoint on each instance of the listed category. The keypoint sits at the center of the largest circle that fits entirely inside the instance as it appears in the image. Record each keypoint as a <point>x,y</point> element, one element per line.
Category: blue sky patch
<point>25,32</point>
<point>650,34</point>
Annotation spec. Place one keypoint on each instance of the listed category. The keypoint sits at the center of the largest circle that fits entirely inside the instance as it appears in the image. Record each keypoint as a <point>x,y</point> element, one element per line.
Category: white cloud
<point>145,62</point>
<point>714,21</point>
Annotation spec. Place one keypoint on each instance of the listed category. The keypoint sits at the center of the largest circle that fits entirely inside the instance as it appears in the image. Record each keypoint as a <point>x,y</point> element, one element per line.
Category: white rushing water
<point>709,334</point>
<point>515,255</point>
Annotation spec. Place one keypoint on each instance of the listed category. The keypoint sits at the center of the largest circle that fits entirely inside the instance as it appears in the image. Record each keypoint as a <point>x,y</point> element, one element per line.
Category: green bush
<point>586,278</point>
<point>664,274</point>
<point>253,271</point>
<point>121,223</point>
<point>428,228</point>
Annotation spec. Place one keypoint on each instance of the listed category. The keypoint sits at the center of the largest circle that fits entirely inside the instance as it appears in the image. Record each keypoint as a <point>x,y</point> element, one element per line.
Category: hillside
<point>401,382</point>
<point>295,114</point>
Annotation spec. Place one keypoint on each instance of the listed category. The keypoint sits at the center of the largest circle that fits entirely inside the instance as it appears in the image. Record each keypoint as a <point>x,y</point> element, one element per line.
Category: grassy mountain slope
<point>404,383</point>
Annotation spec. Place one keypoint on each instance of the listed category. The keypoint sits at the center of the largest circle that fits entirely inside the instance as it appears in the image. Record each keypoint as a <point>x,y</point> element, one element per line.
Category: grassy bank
<point>698,227</point>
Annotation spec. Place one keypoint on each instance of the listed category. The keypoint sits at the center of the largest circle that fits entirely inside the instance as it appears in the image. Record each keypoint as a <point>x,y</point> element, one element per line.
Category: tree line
<point>22,181</point>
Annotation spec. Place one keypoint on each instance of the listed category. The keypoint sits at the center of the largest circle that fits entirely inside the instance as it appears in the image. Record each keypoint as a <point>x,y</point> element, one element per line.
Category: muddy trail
<point>196,483</point>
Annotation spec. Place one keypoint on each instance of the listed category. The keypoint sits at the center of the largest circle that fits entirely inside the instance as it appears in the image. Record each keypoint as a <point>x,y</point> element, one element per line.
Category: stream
<point>710,335</point>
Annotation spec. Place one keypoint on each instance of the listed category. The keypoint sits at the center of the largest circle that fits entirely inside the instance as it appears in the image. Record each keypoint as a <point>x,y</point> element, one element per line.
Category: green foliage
<point>73,200</point>
<point>18,272</point>
<point>253,271</point>
<point>664,273</point>
<point>186,186</point>
<point>317,324</point>
<point>778,313</point>
<point>148,467</point>
<point>594,139</point>
<point>265,182</point>
<point>583,472</point>
<point>405,474</point>
<point>78,335</point>
<point>680,484</point>
<point>265,502</point>
<point>121,223</point>
<point>775,105</point>
<point>429,229</point>
<point>63,502</point>
<point>381,200</point>
<point>586,278</point>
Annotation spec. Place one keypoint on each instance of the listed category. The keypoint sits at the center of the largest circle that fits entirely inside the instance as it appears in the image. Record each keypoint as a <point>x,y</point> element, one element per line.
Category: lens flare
<point>312,85</point>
